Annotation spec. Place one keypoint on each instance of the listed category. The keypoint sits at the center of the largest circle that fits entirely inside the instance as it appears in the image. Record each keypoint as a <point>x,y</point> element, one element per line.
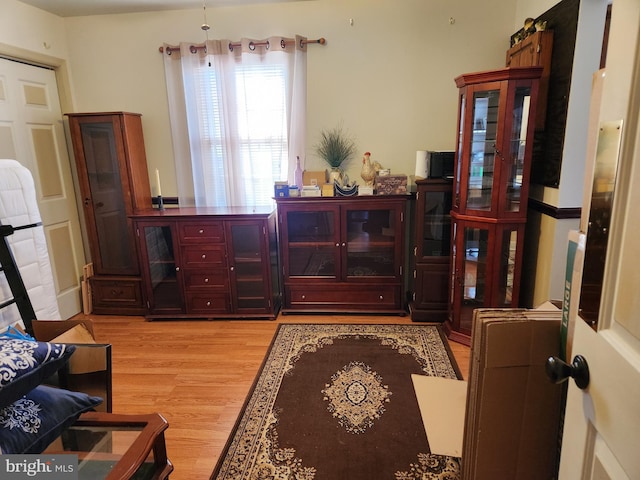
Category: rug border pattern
<point>292,340</point>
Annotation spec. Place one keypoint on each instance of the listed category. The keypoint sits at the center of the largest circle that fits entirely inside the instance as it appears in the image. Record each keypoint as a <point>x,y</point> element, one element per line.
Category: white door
<point>601,437</point>
<point>32,132</point>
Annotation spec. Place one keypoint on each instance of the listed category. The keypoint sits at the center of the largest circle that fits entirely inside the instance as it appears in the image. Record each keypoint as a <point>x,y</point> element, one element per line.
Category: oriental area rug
<point>336,402</point>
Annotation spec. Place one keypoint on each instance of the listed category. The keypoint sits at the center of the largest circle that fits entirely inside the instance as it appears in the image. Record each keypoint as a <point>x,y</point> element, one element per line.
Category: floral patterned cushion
<point>31,423</point>
<point>24,364</point>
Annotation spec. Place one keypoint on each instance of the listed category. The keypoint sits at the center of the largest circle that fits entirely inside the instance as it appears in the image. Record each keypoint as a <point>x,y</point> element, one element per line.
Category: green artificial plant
<point>335,147</point>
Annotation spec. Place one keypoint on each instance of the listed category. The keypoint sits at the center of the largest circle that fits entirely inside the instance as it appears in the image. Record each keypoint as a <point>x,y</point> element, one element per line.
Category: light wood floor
<point>197,374</point>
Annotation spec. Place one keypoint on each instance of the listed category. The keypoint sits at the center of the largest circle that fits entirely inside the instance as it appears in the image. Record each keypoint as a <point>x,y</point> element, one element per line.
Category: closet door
<point>31,132</point>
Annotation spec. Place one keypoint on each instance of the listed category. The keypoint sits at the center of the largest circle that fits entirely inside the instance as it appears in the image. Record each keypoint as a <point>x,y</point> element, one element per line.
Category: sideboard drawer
<point>204,255</point>
<point>217,278</point>
<point>208,303</point>
<point>343,296</point>
<point>201,232</point>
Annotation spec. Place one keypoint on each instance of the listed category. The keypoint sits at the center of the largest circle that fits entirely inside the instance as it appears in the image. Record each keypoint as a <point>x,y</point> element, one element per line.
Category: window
<point>240,124</point>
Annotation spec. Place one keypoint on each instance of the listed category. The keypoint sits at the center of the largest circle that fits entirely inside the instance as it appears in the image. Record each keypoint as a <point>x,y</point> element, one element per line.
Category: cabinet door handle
<point>177,269</point>
<point>337,244</point>
<point>344,244</point>
<point>232,268</point>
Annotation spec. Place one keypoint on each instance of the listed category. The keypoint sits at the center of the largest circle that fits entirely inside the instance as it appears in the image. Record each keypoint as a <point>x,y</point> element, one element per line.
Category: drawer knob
<point>201,231</point>
<point>381,297</point>
<point>206,280</point>
<point>204,256</point>
<point>208,304</point>
<point>232,268</point>
<point>304,297</point>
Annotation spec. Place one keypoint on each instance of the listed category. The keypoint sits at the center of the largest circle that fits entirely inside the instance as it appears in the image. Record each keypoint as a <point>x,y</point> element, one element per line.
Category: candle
<point>158,182</point>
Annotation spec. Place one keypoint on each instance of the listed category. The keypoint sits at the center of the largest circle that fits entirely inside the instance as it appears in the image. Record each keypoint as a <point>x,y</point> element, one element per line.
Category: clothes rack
<point>14,279</point>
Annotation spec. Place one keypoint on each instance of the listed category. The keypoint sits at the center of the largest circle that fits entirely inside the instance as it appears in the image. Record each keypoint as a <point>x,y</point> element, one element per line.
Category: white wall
<point>31,31</point>
<point>388,78</point>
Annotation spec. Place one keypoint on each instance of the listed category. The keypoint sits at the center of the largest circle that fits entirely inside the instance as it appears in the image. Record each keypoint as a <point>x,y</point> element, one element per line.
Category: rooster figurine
<point>369,169</point>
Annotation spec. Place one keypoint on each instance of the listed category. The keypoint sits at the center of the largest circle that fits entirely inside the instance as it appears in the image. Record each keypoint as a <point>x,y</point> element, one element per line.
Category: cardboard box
<point>89,367</point>
<point>318,177</point>
<point>390,184</point>
<point>513,412</point>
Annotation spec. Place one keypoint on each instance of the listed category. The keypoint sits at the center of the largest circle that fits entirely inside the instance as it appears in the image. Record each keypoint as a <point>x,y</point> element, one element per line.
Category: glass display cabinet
<point>113,179</point>
<point>343,253</point>
<point>496,123</point>
<point>431,250</point>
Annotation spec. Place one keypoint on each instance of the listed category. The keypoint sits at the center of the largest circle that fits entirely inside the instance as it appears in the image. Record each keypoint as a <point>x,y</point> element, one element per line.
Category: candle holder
<point>160,202</point>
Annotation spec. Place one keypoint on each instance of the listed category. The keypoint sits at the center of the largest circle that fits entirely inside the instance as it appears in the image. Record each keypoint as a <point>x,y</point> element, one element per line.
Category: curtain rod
<point>232,45</point>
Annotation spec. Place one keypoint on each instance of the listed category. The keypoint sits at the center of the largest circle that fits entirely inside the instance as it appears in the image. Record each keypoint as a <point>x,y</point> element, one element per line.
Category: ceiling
<point>74,8</point>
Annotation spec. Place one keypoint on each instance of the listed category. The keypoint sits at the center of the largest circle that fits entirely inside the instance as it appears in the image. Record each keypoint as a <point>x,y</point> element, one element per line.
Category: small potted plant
<point>335,147</point>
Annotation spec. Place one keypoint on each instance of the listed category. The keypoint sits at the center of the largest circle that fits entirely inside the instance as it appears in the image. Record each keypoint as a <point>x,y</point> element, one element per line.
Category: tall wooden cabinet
<point>496,122</point>
<point>535,51</point>
<point>343,253</point>
<point>114,182</point>
<point>432,248</point>
<point>209,262</point>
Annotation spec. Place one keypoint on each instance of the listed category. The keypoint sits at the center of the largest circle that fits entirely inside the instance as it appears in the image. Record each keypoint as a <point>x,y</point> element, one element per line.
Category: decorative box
<point>314,177</point>
<point>391,184</point>
<point>281,189</point>
<point>310,191</point>
<point>327,190</point>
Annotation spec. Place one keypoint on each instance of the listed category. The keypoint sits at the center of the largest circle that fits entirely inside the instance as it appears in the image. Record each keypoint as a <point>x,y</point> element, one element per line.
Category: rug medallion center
<point>356,397</point>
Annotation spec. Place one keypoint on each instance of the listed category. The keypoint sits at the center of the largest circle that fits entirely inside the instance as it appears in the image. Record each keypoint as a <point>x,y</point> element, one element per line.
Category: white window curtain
<point>238,118</point>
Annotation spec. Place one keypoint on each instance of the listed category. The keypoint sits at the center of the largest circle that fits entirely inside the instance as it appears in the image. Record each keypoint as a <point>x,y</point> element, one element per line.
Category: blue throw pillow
<point>31,423</point>
<point>24,364</point>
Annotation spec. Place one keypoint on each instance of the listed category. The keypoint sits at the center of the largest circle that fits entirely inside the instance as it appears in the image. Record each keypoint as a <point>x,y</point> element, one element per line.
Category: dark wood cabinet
<point>209,262</point>
<point>432,249</point>
<point>343,253</point>
<point>535,51</point>
<point>496,122</point>
<point>113,179</point>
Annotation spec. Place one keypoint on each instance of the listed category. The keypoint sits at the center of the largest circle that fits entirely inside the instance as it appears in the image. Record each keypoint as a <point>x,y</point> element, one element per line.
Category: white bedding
<point>18,207</point>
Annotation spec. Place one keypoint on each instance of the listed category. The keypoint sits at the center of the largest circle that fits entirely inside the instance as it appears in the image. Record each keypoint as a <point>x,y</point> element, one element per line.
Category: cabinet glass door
<point>250,291</point>
<point>370,243</point>
<point>117,254</point>
<point>459,149</point>
<point>482,149</point>
<point>472,275</point>
<point>435,237</point>
<point>312,242</point>
<point>507,296</point>
<point>517,148</point>
<point>164,291</point>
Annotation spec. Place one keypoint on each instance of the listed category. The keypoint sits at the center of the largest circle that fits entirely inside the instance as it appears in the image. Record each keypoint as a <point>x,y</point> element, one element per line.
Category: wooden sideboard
<point>209,262</point>
<point>343,254</point>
